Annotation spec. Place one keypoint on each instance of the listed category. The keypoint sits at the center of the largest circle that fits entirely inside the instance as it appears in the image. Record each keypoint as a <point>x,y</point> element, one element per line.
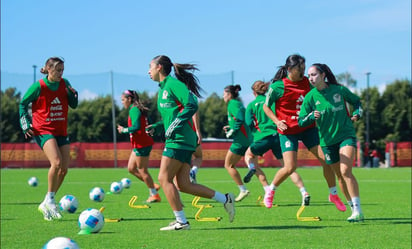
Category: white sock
<point>350,203</point>
<point>242,188</point>
<point>356,205</point>
<point>180,216</point>
<point>152,191</point>
<point>50,198</point>
<point>333,191</point>
<point>302,191</point>
<point>273,187</point>
<point>194,169</point>
<point>266,187</point>
<point>219,197</point>
<point>251,166</point>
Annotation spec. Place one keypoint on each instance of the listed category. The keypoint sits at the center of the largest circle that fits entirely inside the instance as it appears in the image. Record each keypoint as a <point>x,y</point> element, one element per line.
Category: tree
<point>346,79</point>
<point>213,116</point>
<point>10,124</point>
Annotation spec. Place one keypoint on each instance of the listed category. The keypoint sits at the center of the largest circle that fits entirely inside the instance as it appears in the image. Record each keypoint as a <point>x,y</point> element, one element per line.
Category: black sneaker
<point>249,175</point>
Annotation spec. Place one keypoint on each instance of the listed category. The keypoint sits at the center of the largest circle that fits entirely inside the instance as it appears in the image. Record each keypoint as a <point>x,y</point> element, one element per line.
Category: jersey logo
<point>327,156</point>
<point>317,102</point>
<point>287,144</point>
<point>165,94</point>
<point>337,98</point>
<point>56,101</point>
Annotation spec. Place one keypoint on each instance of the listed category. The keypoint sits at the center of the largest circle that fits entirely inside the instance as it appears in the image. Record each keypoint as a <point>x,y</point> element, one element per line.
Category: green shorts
<point>238,149</point>
<point>267,143</point>
<point>145,151</point>
<point>332,152</point>
<point>185,156</point>
<point>41,139</point>
<point>309,137</point>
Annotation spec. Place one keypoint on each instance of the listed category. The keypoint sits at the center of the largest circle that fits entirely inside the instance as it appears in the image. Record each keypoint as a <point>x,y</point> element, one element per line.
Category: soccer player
<point>141,142</point>
<point>176,105</point>
<point>242,138</point>
<point>198,154</point>
<point>50,98</point>
<point>265,137</point>
<point>282,105</point>
<point>326,104</point>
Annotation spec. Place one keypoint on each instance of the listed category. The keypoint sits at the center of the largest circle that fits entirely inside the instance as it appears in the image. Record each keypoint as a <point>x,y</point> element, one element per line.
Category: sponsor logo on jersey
<point>56,101</point>
<point>337,98</point>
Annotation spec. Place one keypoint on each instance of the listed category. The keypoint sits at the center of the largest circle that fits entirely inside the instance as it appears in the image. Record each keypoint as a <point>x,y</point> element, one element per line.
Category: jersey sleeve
<point>134,114</point>
<point>274,93</point>
<point>306,114</point>
<point>249,117</point>
<point>354,100</point>
<point>73,97</point>
<point>190,106</point>
<point>30,96</point>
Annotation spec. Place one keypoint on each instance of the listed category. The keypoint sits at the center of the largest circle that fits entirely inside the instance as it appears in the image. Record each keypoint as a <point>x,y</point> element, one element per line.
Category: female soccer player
<point>141,142</point>
<point>239,131</point>
<point>50,98</point>
<point>198,154</point>
<point>326,105</point>
<point>282,105</point>
<point>265,137</point>
<point>177,106</point>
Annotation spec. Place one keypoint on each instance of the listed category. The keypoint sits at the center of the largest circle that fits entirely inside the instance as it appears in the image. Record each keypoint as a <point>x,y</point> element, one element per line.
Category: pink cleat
<point>268,199</point>
<point>338,203</point>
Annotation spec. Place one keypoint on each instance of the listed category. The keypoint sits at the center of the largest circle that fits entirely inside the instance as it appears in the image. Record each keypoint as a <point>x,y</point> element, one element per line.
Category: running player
<point>50,98</point>
<point>177,106</point>
<point>141,142</point>
<point>283,102</point>
<point>326,104</point>
<point>239,131</point>
<point>265,137</point>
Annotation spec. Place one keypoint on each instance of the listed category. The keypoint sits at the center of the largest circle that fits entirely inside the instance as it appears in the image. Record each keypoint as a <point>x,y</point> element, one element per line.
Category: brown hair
<point>136,101</point>
<point>260,87</point>
<point>51,63</point>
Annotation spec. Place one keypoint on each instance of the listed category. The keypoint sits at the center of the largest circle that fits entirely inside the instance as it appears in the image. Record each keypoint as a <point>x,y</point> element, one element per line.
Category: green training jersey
<point>236,118</point>
<point>260,124</point>
<point>33,93</point>
<point>177,106</point>
<point>334,123</point>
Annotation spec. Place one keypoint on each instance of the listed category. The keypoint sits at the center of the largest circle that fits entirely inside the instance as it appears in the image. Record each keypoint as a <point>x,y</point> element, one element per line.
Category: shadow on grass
<point>20,203</point>
<point>268,228</point>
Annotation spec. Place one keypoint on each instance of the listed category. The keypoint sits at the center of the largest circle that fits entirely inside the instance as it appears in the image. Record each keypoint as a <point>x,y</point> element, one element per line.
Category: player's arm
<point>25,120</point>
<point>134,114</point>
<point>354,100</point>
<point>196,121</point>
<point>307,115</point>
<point>72,95</point>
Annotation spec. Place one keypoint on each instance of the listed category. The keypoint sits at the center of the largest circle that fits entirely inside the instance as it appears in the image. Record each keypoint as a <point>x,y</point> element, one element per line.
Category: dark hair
<point>136,101</point>
<point>329,76</point>
<point>292,61</point>
<point>52,62</point>
<point>183,72</point>
<point>260,87</point>
<point>234,90</point>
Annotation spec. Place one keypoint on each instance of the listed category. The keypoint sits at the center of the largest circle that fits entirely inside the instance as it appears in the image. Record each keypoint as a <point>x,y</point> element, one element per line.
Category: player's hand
<point>316,114</point>
<point>226,128</point>
<point>71,89</point>
<point>150,130</point>
<point>119,128</point>
<point>28,133</point>
<point>355,118</point>
<point>282,126</point>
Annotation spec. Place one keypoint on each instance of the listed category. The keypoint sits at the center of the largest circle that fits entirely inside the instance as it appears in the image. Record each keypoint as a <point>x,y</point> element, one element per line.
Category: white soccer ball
<point>116,187</point>
<point>91,220</point>
<point>96,194</point>
<point>61,243</point>
<point>126,182</point>
<point>33,181</point>
<point>68,203</point>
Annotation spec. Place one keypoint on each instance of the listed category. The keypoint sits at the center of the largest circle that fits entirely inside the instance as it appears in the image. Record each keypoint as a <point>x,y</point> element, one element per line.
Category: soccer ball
<point>91,220</point>
<point>116,187</point>
<point>61,243</point>
<point>96,194</point>
<point>126,182</point>
<point>68,203</point>
<point>33,181</point>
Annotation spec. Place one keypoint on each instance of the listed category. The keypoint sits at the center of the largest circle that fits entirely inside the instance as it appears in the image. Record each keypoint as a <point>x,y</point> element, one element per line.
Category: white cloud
<point>87,95</point>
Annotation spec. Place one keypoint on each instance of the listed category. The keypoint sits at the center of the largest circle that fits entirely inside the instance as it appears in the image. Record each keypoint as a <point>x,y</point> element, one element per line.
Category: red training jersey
<point>140,138</point>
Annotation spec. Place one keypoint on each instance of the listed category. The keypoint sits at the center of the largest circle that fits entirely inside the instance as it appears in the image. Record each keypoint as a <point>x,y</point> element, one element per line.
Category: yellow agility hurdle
<point>201,208</point>
<point>108,219</point>
<point>299,213</point>
<point>133,205</point>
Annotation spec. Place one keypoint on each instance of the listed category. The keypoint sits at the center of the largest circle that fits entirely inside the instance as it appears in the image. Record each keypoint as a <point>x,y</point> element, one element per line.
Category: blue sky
<point>251,38</point>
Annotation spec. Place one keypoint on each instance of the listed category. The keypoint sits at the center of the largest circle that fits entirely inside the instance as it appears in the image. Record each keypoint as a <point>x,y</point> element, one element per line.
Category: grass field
<point>385,197</point>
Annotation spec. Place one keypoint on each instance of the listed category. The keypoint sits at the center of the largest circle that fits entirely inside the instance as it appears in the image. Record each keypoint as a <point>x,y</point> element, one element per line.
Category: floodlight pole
<point>367,109</point>
<point>34,73</point>
<point>113,122</point>
<point>233,76</point>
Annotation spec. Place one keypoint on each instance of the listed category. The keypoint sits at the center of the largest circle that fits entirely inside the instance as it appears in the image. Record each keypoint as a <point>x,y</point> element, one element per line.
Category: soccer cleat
<point>242,195</point>
<point>338,203</point>
<point>43,209</point>
<point>356,218</point>
<point>230,206</point>
<point>305,199</point>
<point>175,225</point>
<point>268,199</point>
<point>153,198</point>
<point>249,175</point>
<point>156,186</point>
<point>192,176</point>
<point>54,211</point>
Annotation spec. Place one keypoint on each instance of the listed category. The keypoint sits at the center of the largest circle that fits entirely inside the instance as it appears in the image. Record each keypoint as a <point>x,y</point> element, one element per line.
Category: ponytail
<point>136,101</point>
<point>233,90</point>
<point>292,61</point>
